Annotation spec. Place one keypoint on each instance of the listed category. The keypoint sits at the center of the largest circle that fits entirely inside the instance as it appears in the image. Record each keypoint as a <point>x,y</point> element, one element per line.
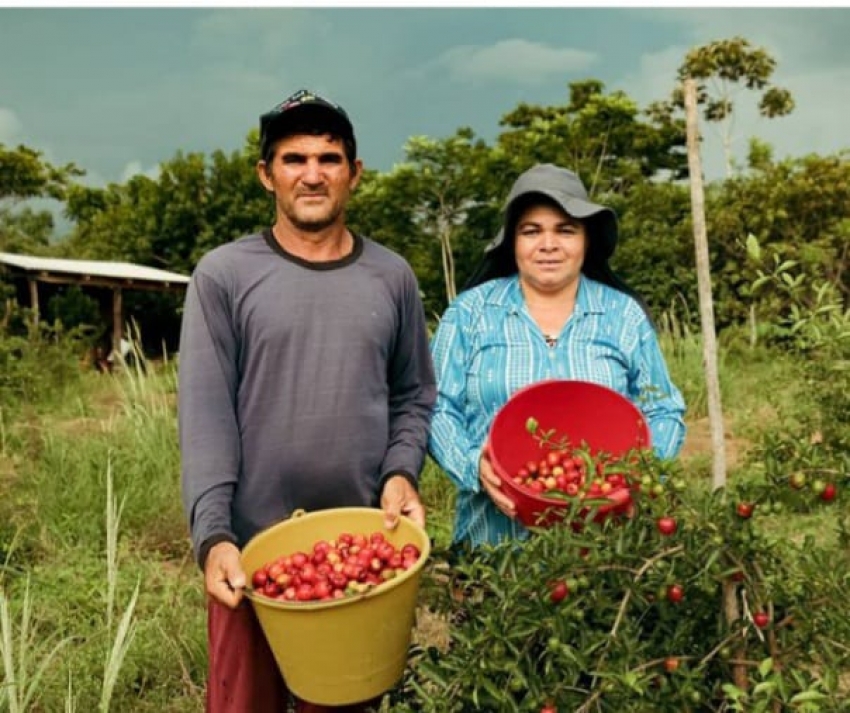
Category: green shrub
<point>617,642</point>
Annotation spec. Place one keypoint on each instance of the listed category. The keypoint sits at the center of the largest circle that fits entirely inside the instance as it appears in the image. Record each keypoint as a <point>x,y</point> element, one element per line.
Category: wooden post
<point>731,609</point>
<point>117,322</point>
<point>33,285</point>
<point>706,302</point>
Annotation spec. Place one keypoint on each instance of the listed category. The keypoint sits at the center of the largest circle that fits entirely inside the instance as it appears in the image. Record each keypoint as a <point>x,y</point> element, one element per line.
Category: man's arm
<point>412,390</point>
<point>208,429</point>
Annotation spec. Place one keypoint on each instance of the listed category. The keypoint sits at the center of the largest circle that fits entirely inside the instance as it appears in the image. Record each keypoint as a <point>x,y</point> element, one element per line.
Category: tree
<point>435,195</point>
<point>706,303</point>
<point>195,204</point>
<point>25,174</point>
<point>722,69</point>
<point>25,231</point>
<point>600,136</point>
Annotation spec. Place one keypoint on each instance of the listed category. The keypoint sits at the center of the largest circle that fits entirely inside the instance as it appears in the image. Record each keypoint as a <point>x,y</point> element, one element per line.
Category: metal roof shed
<point>117,276</point>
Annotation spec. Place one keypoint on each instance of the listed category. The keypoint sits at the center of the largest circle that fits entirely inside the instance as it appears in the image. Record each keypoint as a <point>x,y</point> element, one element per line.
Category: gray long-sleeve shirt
<point>301,385</point>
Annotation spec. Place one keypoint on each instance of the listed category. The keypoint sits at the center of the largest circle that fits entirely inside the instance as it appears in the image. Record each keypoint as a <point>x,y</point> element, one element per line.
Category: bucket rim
<point>372,592</point>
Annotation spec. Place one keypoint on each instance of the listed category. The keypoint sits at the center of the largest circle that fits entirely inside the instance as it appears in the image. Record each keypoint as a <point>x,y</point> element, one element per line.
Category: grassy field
<point>101,605</point>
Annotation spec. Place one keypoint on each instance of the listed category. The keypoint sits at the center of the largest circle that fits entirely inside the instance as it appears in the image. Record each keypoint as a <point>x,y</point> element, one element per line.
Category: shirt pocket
<point>499,366</point>
<point>600,360</point>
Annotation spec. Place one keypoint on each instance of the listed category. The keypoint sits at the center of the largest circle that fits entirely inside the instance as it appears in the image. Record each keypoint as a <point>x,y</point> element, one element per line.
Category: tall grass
<point>758,386</point>
<point>123,636</point>
<point>121,439</point>
<point>27,654</point>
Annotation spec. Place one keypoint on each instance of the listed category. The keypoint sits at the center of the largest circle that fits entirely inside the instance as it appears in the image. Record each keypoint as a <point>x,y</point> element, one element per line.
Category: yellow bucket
<point>347,650</point>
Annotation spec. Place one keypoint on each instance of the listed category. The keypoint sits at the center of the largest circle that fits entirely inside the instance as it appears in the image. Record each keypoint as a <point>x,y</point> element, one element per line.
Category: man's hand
<point>223,576</point>
<point>493,486</point>
<point>399,497</point>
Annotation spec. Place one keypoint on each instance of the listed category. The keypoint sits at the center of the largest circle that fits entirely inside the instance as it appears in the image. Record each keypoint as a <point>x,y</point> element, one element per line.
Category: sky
<point>117,90</point>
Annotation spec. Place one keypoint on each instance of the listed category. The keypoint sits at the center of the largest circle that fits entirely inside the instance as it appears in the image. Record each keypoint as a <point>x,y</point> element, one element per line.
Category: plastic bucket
<point>347,650</point>
<point>590,415</point>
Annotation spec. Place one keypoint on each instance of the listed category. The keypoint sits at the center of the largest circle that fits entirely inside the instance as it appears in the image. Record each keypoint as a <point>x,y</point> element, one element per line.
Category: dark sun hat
<point>565,188</point>
<point>305,109</point>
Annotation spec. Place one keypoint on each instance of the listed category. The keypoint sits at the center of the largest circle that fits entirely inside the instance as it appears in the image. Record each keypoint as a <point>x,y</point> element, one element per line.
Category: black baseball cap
<point>305,110</point>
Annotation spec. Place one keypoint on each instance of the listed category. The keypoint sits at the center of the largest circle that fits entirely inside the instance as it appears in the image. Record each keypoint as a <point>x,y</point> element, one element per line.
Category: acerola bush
<point>753,621</point>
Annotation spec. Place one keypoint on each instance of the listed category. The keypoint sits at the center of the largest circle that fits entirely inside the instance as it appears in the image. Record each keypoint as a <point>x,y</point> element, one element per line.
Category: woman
<point>543,304</point>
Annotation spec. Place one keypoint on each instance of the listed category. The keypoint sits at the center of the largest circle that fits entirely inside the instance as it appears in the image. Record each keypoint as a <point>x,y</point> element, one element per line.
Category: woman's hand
<point>493,486</point>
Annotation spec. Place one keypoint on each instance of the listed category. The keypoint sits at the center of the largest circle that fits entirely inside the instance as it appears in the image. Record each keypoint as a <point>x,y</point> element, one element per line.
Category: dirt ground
<point>698,444</point>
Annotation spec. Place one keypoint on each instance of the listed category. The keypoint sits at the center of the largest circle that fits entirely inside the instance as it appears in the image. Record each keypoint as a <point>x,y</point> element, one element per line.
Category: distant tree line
<point>441,205</point>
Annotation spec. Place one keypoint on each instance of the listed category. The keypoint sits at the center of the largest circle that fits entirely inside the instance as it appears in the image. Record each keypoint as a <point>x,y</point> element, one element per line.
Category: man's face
<point>311,180</point>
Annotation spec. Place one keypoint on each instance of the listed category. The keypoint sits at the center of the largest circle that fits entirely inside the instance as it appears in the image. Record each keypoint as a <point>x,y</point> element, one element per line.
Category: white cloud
<point>818,124</point>
<point>515,60</point>
<point>10,127</point>
<point>134,168</point>
<point>270,33</point>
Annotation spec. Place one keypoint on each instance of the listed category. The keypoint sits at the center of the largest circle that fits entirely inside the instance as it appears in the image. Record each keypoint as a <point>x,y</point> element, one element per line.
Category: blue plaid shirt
<point>487,346</point>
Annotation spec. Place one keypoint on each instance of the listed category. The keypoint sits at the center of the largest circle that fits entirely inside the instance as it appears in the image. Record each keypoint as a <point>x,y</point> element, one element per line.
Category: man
<point>305,382</point>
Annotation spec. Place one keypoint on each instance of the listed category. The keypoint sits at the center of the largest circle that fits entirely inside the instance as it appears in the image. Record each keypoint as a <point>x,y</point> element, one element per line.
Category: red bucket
<point>590,416</point>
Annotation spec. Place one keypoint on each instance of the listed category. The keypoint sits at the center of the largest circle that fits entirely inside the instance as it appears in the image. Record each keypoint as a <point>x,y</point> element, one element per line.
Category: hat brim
<point>575,207</point>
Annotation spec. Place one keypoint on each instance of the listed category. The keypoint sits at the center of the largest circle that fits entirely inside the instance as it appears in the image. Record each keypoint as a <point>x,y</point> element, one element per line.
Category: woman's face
<point>550,247</point>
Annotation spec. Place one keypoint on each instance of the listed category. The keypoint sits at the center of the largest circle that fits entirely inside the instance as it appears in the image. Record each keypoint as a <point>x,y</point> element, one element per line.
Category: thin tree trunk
<point>731,610</point>
<point>706,302</point>
<point>448,262</point>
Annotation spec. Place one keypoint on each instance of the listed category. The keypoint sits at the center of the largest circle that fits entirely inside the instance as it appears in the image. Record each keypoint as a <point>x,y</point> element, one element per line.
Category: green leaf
<point>433,673</point>
<point>805,696</point>
<point>753,248</point>
<point>764,687</point>
<point>497,694</point>
<point>732,691</point>
<point>765,667</point>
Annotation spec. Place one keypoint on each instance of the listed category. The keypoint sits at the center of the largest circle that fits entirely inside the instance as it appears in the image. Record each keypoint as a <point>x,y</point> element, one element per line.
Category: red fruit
<point>828,492</point>
<point>377,538</point>
<point>666,525</point>
<point>259,579</point>
<point>410,551</point>
<point>548,709</point>
<point>558,592</point>
<point>761,619</point>
<point>304,592</point>
<point>322,590</point>
<point>675,593</point>
<point>745,510</point>
<point>671,663</point>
